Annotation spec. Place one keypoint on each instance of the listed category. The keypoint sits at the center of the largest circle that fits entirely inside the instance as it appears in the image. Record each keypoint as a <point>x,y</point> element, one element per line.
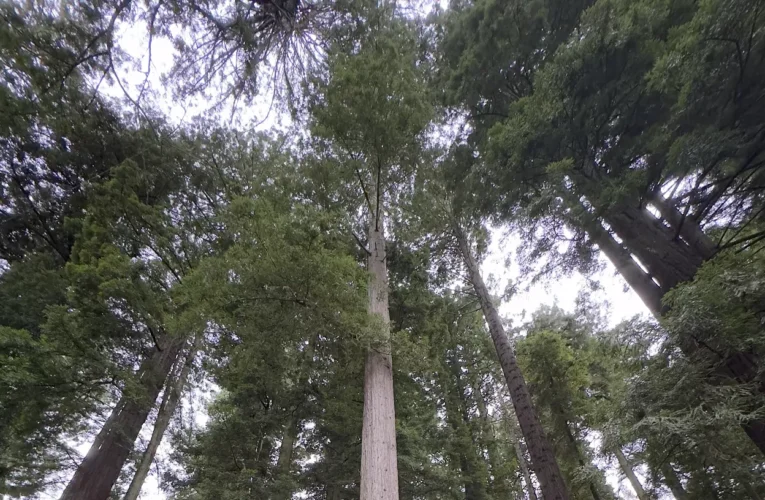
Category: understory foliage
<point>142,255</point>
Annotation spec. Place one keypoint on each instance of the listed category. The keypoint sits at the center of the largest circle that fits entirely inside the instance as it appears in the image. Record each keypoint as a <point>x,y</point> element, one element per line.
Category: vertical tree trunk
<point>173,391</point>
<point>379,470</point>
<point>286,450</point>
<point>488,430</point>
<point>543,460</point>
<point>458,416</point>
<point>96,475</point>
<point>630,473</point>
<point>512,423</point>
<point>673,482</point>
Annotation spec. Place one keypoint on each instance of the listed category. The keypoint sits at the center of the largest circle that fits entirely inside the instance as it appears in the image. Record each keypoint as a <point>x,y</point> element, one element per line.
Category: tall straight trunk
<point>458,416</point>
<point>97,473</point>
<point>543,460</point>
<point>512,423</point>
<point>630,473</point>
<point>488,430</point>
<point>673,482</point>
<point>173,391</point>
<point>379,470</point>
<point>287,447</point>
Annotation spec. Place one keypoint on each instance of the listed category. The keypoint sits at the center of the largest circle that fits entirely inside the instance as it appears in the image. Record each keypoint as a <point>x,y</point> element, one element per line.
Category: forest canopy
<point>250,249</point>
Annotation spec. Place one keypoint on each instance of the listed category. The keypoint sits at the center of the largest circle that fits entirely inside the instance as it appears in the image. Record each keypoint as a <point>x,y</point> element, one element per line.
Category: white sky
<point>622,303</point>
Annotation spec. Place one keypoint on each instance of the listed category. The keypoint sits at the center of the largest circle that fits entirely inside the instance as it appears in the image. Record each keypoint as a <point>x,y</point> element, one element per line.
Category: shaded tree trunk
<point>173,391</point>
<point>543,460</point>
<point>379,470</point>
<point>671,261</point>
<point>488,430</point>
<point>648,291</point>
<point>630,473</point>
<point>96,475</point>
<point>673,482</point>
<point>456,404</point>
<point>286,450</point>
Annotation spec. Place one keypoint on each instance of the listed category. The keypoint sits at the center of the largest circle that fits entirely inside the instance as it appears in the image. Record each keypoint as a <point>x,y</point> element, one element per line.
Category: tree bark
<point>630,473</point>
<point>488,429</point>
<point>458,416</point>
<point>96,475</point>
<point>543,460</point>
<point>379,469</point>
<point>673,482</point>
<point>685,227</point>
<point>173,391</point>
<point>648,291</point>
<point>287,447</point>
<point>512,422</point>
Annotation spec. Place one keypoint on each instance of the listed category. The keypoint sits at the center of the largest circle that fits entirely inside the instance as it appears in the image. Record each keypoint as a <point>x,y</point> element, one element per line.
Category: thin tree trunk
<point>575,449</point>
<point>96,475</point>
<point>630,473</point>
<point>512,423</point>
<point>457,413</point>
<point>379,470</point>
<point>543,460</point>
<point>673,482</point>
<point>284,463</point>
<point>173,391</point>
<point>286,450</point>
<point>488,429</point>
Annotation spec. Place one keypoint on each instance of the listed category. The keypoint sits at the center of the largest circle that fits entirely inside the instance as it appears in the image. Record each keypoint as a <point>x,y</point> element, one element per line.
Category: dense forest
<point>238,311</point>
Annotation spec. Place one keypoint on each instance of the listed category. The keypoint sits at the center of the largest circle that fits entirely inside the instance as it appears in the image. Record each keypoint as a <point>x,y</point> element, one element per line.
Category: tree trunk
<point>543,460</point>
<point>286,450</point>
<point>96,475</point>
<point>685,227</point>
<point>673,482</point>
<point>284,463</point>
<point>173,391</point>
<point>630,473</point>
<point>379,470</point>
<point>488,430</point>
<point>648,291</point>
<point>458,416</point>
<point>512,422</point>
<point>671,262</point>
<point>575,449</point>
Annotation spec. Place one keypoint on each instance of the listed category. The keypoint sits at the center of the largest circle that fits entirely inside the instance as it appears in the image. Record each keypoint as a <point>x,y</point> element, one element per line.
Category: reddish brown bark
<point>379,469</point>
<point>543,461</point>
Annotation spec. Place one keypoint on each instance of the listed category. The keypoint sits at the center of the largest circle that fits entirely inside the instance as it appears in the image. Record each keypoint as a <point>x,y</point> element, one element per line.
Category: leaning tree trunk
<point>543,460</point>
<point>671,261</point>
<point>379,470</point>
<point>673,482</point>
<point>173,391</point>
<point>97,473</point>
<point>630,473</point>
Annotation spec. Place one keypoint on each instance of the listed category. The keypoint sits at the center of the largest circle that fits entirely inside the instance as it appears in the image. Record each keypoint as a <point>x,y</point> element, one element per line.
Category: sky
<point>499,266</point>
